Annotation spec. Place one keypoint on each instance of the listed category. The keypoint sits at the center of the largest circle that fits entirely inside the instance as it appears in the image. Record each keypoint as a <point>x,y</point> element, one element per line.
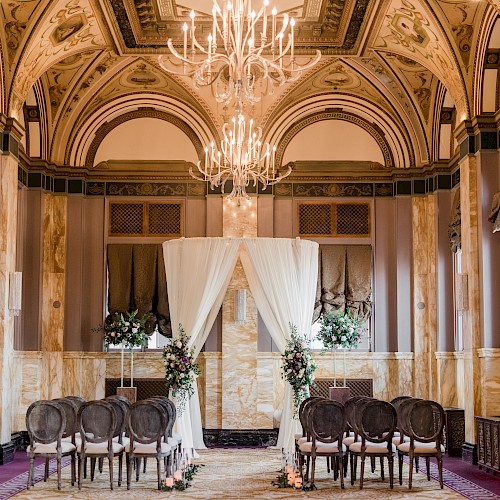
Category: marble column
<point>53,291</point>
<point>8,222</point>
<point>471,382</point>
<point>239,365</point>
<point>424,294</point>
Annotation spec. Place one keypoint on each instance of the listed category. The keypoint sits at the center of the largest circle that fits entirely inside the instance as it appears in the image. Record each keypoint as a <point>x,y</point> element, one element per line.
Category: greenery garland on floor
<point>182,484</point>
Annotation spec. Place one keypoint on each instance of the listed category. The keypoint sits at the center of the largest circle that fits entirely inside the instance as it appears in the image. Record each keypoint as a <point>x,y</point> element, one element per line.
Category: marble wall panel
<point>446,387</point>
<point>265,392</point>
<point>490,381</point>
<point>52,375</point>
<point>239,358</point>
<point>84,375</point>
<point>213,390</point>
<point>405,373</point>
<point>146,364</point>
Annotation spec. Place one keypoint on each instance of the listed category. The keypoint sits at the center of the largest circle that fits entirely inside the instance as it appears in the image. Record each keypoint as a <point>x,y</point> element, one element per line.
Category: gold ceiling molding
<point>335,115</point>
<point>105,129</point>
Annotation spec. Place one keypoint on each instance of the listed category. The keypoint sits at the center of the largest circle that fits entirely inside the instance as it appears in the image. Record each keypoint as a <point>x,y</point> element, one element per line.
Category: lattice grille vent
<point>334,219</point>
<point>126,218</point>
<point>165,219</point>
<point>359,387</point>
<point>353,219</point>
<point>146,387</point>
<point>315,218</point>
<point>146,219</point>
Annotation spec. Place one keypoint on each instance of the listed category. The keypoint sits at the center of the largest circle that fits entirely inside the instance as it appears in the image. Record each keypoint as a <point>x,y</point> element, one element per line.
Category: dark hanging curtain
<point>455,225</point>
<point>344,280</point>
<point>137,281</point>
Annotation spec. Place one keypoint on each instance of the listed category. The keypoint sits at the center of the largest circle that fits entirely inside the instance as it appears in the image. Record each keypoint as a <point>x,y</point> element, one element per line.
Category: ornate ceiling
<point>388,63</point>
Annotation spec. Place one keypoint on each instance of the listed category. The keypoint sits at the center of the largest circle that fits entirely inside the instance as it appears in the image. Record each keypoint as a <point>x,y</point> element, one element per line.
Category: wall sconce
<point>240,306</point>
<point>15,292</point>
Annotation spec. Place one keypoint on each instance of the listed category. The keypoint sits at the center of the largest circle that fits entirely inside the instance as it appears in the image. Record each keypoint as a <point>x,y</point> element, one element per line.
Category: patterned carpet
<point>237,474</point>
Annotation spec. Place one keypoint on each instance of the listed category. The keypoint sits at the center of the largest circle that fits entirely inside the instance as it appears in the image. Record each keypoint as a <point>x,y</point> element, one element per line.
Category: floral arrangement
<point>339,330</point>
<point>180,368</point>
<point>298,367</point>
<point>125,329</point>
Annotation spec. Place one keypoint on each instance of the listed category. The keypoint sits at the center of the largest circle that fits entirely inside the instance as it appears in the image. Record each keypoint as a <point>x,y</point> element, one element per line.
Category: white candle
<point>298,482</point>
<point>169,481</point>
<point>264,20</point>
<point>192,16</point>
<point>273,34</point>
<point>214,27</point>
<point>292,24</point>
<point>178,475</point>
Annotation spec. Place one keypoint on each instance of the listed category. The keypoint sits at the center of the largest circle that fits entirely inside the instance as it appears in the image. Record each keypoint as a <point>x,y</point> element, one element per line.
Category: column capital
<point>11,132</point>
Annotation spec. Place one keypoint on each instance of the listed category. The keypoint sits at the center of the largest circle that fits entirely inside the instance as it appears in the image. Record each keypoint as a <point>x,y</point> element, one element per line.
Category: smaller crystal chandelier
<point>233,60</point>
<point>242,158</point>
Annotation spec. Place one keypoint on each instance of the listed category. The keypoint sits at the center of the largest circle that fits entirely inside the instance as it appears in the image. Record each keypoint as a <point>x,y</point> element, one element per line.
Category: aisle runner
<point>247,474</point>
<point>18,483</point>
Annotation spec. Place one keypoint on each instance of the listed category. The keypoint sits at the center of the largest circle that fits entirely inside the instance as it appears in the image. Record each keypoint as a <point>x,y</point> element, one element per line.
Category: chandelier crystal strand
<point>242,158</point>
<point>244,48</point>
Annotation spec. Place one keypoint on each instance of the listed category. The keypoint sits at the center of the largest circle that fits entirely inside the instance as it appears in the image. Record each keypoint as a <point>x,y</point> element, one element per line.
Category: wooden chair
<point>46,424</point>
<point>375,425</point>
<point>146,424</point>
<point>97,423</point>
<point>325,428</point>
<point>423,422</point>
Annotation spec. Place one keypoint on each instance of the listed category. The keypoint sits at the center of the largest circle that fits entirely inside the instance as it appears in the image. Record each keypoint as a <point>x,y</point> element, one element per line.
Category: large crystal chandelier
<point>246,53</point>
<point>245,56</point>
<point>242,158</point>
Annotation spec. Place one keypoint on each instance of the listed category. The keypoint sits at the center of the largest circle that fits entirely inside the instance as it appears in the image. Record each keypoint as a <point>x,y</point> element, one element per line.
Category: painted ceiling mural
<point>395,56</point>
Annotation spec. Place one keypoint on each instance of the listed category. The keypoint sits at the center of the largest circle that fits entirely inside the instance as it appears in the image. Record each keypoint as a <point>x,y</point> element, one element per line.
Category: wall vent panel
<point>146,219</point>
<point>333,219</point>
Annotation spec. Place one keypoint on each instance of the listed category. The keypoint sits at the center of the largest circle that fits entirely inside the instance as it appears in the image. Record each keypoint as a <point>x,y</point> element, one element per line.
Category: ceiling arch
<point>394,137</point>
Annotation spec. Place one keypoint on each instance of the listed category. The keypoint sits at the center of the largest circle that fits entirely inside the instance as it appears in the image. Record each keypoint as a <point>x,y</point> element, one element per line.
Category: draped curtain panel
<point>344,280</point>
<point>282,276</point>
<point>199,271</point>
<point>136,281</point>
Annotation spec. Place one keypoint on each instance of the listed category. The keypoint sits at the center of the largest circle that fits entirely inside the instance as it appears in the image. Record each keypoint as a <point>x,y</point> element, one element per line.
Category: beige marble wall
<point>212,378</point>
<point>8,230</point>
<point>239,218</point>
<point>446,387</point>
<point>471,243</point>
<point>424,294</point>
<point>489,360</point>
<point>84,374</point>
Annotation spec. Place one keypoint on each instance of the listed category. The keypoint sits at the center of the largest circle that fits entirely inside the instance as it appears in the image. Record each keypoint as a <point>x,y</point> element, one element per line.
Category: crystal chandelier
<point>246,53</point>
<point>242,158</point>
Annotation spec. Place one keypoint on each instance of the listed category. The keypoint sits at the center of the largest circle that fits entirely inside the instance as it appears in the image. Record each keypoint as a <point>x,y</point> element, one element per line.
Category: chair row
<point>367,427</point>
<point>99,429</point>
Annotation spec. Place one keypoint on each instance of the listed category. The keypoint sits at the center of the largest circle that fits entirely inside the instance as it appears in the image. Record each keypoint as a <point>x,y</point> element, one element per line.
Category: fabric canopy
<point>282,275</point>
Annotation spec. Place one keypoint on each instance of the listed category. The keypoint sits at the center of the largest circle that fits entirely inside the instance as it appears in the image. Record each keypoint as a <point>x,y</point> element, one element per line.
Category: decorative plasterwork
<point>103,131</point>
<point>334,26</point>
<point>417,78</point>
<point>461,17</point>
<point>69,27</point>
<point>335,115</point>
<point>17,18</point>
<point>409,30</point>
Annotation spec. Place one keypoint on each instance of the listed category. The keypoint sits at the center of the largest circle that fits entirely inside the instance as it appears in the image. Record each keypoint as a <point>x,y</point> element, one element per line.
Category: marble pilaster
<point>84,374</point>
<point>471,319</point>
<point>424,294</point>
<point>212,411</point>
<point>8,231</point>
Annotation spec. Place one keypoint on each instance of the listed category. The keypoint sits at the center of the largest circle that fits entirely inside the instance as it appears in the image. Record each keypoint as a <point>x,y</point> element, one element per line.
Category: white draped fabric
<point>282,275</point>
<point>198,273</point>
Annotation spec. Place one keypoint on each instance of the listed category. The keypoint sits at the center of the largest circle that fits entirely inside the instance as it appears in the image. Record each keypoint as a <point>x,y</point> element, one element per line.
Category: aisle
<point>236,474</point>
